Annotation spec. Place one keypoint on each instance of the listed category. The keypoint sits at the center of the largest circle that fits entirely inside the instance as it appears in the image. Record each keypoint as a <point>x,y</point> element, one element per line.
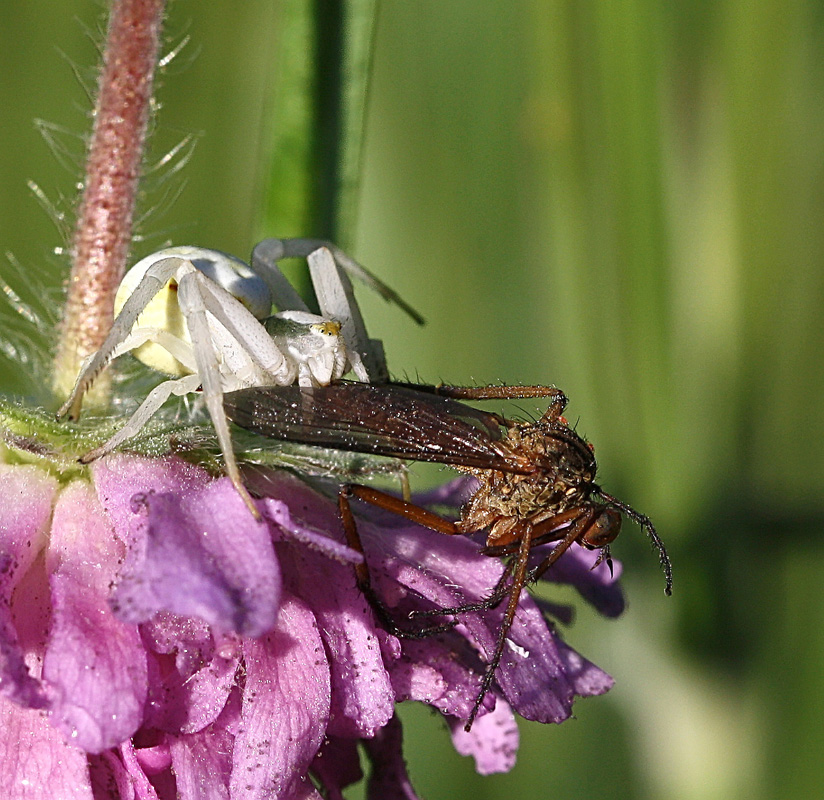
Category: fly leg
<point>558,400</point>
<point>363,577</point>
<point>502,587</point>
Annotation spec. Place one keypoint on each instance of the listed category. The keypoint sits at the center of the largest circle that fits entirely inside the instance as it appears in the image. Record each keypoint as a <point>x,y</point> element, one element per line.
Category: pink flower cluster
<point>158,642</point>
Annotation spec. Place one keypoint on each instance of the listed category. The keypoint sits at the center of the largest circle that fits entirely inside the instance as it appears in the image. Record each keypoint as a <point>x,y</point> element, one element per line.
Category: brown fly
<point>536,481</point>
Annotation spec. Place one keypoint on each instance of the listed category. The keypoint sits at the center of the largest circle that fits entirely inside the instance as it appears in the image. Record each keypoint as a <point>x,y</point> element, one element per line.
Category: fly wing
<point>380,419</point>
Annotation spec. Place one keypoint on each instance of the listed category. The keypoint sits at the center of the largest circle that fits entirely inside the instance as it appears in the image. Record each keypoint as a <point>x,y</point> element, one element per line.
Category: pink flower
<point>157,642</point>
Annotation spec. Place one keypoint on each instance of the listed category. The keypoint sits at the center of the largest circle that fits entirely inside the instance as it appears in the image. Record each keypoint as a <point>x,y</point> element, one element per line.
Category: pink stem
<point>103,235</point>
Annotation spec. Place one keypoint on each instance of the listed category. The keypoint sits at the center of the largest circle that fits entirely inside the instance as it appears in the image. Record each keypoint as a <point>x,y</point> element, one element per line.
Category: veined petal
<point>202,761</point>
<point>195,551</point>
<point>285,706</point>
<point>190,675</point>
<point>362,695</point>
<point>438,671</point>
<point>448,571</point>
<point>25,513</point>
<point>38,763</point>
<point>143,789</point>
<point>492,742</point>
<point>95,664</point>
<point>187,704</point>
<point>587,679</point>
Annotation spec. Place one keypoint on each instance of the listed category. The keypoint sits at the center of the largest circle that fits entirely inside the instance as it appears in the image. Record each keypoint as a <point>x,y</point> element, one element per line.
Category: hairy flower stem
<point>103,235</point>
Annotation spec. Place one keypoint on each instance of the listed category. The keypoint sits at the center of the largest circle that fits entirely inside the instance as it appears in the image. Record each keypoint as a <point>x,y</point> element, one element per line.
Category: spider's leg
<point>153,281</point>
<point>181,351</point>
<point>337,301</point>
<point>301,248</point>
<point>154,400</point>
<point>242,325</point>
<point>193,307</point>
<point>334,294</point>
<point>265,259</point>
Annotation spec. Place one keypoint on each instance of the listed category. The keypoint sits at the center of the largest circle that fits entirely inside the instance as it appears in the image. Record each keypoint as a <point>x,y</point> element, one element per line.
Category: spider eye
<point>328,328</point>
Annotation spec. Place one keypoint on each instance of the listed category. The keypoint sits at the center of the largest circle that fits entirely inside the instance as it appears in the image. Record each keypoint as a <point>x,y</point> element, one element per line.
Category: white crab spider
<point>203,317</point>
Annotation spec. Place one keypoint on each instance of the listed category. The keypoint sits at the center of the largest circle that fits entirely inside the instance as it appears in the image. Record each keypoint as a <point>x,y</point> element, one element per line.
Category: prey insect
<point>536,481</point>
<point>205,319</point>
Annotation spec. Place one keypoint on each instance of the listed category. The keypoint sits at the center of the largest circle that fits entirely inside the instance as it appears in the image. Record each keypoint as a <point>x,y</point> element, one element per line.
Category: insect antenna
<point>646,523</point>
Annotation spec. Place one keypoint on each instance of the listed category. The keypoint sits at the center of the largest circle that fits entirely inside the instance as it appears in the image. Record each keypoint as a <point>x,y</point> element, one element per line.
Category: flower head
<point>157,641</point>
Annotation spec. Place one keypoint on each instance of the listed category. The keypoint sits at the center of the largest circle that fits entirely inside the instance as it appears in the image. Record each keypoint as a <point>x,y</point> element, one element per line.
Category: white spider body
<point>163,311</point>
<point>203,317</point>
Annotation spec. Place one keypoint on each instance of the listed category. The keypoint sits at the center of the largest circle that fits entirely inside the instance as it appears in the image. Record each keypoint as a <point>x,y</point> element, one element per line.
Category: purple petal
<point>285,706</point>
<point>189,640</point>
<point>435,566</point>
<point>179,704</point>
<point>118,478</point>
<point>362,695</point>
<point>25,514</point>
<point>438,671</point>
<point>388,779</point>
<point>154,760</point>
<point>492,742</point>
<point>287,500</point>
<point>201,555</point>
<point>314,540</point>
<point>452,493</point>
<point>337,765</point>
<point>597,585</point>
<point>95,664</point>
<point>587,679</point>
<point>202,761</point>
<point>447,570</point>
<point>143,789</point>
<point>37,762</point>
<point>189,678</point>
<point>532,672</point>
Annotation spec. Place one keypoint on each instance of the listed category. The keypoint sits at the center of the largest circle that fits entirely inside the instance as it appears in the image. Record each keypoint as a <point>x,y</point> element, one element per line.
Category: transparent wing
<point>380,419</point>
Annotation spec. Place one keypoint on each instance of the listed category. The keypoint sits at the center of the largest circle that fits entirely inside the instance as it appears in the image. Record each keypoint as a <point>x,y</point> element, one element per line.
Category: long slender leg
<point>558,400</point>
<point>264,262</point>
<point>437,523</point>
<point>518,580</point>
<point>646,523</point>
<point>549,530</point>
<point>193,308</point>
<point>153,281</point>
<point>247,330</point>
<point>581,523</point>
<point>181,351</point>
<point>362,575</point>
<point>337,301</point>
<point>272,250</point>
<point>410,511</point>
<point>147,409</point>
<point>499,591</point>
<point>575,533</point>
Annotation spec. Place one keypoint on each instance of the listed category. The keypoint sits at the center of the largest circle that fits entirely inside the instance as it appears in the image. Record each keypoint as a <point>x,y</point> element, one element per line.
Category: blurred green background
<point>624,199</point>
